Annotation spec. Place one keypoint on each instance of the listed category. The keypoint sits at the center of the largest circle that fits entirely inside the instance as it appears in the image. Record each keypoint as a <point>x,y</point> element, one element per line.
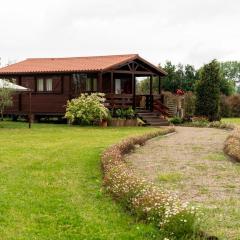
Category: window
<point>44,85</point>
<point>84,83</point>
<point>49,84</point>
<point>95,85</point>
<point>118,89</point>
<point>88,84</point>
<point>40,84</point>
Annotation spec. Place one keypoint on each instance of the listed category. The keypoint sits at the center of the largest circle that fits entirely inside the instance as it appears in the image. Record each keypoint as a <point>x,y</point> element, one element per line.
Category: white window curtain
<point>49,84</point>
<point>40,86</point>
<point>95,85</point>
<point>88,84</point>
<point>118,89</point>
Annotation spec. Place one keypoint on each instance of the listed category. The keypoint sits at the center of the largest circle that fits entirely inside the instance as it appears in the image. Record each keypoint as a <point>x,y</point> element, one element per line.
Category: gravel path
<point>190,162</point>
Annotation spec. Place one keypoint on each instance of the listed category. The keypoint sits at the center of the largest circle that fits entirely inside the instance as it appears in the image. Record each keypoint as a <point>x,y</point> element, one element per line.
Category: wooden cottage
<point>55,80</point>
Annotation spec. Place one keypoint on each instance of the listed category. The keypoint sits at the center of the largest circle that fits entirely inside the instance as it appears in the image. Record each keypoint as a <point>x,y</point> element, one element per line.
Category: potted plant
<point>130,117</point>
<point>121,118</point>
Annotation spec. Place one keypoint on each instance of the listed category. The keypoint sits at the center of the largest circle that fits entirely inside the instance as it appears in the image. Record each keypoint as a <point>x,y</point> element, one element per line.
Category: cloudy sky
<point>187,31</point>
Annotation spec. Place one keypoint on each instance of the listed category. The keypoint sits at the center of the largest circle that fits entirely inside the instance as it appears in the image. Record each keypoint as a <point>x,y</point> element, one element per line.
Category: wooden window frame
<point>45,84</point>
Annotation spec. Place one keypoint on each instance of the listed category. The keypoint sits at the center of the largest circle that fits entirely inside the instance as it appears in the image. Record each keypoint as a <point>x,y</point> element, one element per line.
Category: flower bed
<point>232,144</point>
<point>143,199</point>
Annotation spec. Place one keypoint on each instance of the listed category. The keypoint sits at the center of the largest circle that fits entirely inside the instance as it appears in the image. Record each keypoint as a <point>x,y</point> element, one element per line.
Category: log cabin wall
<point>43,103</point>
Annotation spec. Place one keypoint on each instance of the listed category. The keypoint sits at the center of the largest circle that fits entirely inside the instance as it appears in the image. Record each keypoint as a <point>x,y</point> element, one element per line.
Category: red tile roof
<point>78,64</point>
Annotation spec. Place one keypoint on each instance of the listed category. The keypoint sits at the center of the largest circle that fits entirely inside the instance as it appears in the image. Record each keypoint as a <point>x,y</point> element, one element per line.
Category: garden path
<point>190,162</point>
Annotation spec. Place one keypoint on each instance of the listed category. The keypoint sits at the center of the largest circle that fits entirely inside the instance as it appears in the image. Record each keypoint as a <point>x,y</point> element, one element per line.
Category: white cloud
<point>184,31</point>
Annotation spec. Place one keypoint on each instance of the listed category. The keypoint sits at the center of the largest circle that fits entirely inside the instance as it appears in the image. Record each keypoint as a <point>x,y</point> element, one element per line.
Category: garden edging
<point>142,198</point>
<point>232,145</point>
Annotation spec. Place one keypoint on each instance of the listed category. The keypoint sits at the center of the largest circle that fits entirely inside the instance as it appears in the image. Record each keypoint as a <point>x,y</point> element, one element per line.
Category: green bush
<point>87,108</point>
<point>176,120</point>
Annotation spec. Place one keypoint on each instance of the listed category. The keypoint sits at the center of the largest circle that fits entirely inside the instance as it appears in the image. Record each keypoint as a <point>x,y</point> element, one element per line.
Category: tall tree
<point>190,78</point>
<point>208,91</point>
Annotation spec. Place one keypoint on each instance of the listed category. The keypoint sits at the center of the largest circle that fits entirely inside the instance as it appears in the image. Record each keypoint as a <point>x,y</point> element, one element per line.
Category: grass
<point>171,177</point>
<point>231,120</point>
<point>51,185</point>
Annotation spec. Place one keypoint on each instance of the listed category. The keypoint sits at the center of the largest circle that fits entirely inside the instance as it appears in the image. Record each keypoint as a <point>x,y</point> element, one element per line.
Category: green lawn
<point>50,184</point>
<point>231,120</point>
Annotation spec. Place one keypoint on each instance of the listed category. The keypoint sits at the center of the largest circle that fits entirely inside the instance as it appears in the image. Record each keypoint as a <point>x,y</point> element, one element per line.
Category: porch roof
<point>73,64</point>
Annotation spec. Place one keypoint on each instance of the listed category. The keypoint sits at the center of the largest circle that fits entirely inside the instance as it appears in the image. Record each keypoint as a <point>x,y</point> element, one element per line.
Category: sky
<point>182,31</point>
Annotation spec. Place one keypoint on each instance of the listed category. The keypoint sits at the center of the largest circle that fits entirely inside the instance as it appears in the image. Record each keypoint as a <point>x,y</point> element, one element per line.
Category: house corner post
<point>134,90</point>
<point>151,92</point>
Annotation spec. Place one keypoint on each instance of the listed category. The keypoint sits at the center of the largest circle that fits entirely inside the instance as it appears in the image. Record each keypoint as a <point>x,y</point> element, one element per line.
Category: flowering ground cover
<point>51,185</point>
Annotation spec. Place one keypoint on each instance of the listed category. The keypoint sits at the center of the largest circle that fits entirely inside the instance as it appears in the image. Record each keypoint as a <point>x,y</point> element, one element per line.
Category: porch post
<point>151,93</point>
<point>151,84</point>
<point>112,90</point>
<point>30,110</point>
<point>134,90</point>
<point>159,85</point>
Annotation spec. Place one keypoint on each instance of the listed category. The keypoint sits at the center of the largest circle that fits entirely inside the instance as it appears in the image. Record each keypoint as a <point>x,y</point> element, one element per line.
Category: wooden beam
<point>135,72</point>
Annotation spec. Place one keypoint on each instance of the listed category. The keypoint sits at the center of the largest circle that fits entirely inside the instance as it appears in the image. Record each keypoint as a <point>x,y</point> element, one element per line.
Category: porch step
<point>152,118</point>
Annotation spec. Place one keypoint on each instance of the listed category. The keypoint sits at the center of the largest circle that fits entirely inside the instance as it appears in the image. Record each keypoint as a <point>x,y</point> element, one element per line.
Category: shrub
<point>87,108</point>
<point>176,120</point>
<point>199,122</point>
<point>143,199</point>
<point>234,105</point>
<point>232,145</point>
<point>219,124</point>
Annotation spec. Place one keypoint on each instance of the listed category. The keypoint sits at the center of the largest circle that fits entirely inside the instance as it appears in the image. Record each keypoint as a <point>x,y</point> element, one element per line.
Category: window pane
<point>88,84</point>
<point>95,85</point>
<point>118,86</point>
<point>49,83</point>
<point>40,84</point>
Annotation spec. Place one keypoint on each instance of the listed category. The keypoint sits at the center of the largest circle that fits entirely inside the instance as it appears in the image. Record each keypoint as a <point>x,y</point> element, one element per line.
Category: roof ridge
<point>97,56</point>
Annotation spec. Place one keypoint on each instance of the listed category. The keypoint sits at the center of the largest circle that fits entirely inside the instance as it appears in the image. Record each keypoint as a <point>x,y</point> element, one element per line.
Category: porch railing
<point>119,100</point>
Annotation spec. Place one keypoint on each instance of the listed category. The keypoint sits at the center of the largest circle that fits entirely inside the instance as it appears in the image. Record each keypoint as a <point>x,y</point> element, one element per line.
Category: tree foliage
<point>230,71</point>
<point>208,91</point>
<point>5,99</point>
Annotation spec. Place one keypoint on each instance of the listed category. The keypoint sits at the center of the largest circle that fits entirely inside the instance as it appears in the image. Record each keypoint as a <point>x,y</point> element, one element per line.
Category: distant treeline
<point>185,77</point>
